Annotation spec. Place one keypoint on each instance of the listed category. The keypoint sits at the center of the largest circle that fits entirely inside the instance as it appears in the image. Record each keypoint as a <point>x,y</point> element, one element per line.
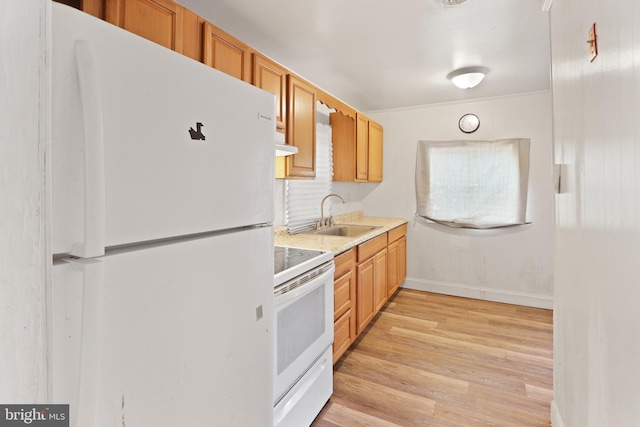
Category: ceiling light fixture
<point>467,77</point>
<point>450,3</point>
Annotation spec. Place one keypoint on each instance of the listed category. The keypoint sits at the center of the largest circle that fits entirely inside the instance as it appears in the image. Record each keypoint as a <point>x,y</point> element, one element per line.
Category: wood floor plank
<point>383,402</point>
<point>334,414</point>
<point>440,356</point>
<point>441,361</point>
<point>415,381</point>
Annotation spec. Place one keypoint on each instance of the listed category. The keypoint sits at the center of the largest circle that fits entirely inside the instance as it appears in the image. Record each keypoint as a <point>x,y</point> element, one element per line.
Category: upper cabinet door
<point>272,77</point>
<point>92,7</point>
<point>362,147</point>
<point>357,148</point>
<point>224,52</point>
<point>375,152</point>
<point>157,20</point>
<point>343,139</point>
<point>192,25</point>
<point>301,128</point>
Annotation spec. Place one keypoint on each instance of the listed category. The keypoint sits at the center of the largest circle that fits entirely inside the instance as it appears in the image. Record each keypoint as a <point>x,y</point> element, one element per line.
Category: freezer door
<point>149,144</point>
<point>165,336</point>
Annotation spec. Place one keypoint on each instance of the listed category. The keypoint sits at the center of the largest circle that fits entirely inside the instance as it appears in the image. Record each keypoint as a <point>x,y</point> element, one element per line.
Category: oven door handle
<point>304,288</point>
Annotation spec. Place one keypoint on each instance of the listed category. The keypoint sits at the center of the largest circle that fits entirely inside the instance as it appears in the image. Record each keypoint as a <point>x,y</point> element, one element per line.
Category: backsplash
<point>351,192</point>
<point>278,202</point>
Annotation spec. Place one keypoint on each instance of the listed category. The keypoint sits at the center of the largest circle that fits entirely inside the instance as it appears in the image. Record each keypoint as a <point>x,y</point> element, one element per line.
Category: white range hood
<point>283,149</point>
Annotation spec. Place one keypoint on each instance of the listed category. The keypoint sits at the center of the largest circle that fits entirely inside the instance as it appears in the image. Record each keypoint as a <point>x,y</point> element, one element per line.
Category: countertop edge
<point>339,244</point>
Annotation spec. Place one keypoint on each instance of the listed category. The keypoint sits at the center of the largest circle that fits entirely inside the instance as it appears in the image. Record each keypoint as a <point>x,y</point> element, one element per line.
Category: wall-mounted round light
<point>467,77</point>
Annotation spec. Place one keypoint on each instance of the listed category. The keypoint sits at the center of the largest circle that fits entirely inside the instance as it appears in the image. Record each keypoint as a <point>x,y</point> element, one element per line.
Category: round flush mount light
<point>450,3</point>
<point>467,77</point>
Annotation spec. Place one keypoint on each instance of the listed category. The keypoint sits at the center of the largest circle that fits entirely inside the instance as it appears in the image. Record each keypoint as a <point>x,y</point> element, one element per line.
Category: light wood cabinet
<point>160,21</point>
<point>371,284</point>
<point>334,103</point>
<point>380,279</point>
<point>92,7</point>
<point>343,131</point>
<point>402,260</point>
<point>357,148</point>
<point>371,288</point>
<point>343,335</point>
<point>224,52</point>
<point>396,259</point>
<point>301,128</point>
<point>192,38</point>
<point>365,278</point>
<point>344,303</point>
<point>364,286</point>
<point>272,77</point>
<point>362,147</point>
<point>392,268</point>
<point>371,247</point>
<point>374,152</point>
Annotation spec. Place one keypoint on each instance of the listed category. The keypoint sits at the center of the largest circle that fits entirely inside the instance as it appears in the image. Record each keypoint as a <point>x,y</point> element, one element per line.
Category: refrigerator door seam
<point>92,294</point>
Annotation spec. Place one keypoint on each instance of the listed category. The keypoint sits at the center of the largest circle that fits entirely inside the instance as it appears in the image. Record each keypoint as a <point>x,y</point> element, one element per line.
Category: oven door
<point>303,325</point>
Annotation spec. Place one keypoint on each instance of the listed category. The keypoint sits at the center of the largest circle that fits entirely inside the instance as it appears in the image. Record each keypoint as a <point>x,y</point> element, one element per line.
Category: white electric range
<point>303,304</point>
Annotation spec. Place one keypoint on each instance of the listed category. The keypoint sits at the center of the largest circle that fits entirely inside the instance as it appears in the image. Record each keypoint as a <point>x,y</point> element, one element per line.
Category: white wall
<point>511,265</point>
<point>23,137</point>
<point>597,276</point>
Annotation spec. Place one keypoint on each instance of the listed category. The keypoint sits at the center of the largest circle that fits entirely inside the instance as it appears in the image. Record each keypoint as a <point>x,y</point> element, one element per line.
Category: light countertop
<point>338,244</point>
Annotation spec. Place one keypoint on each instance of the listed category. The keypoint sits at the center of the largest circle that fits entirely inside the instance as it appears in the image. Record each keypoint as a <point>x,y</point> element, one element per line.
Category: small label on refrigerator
<point>258,312</point>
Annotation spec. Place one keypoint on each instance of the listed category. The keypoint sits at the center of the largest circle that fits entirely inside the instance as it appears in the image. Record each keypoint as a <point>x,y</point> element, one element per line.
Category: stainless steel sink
<point>344,230</point>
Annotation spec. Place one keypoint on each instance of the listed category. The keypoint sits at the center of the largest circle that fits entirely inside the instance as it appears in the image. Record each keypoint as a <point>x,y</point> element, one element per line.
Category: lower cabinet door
<point>343,335</point>
<point>365,306</point>
<point>392,268</point>
<point>343,296</point>
<point>402,260</point>
<point>380,279</point>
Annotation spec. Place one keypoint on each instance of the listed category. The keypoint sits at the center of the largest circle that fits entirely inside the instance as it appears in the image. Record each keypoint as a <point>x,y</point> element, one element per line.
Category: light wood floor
<point>436,360</point>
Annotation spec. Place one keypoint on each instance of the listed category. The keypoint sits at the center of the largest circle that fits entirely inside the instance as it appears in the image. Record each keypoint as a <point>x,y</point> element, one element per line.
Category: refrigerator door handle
<point>90,341</point>
<point>93,145</point>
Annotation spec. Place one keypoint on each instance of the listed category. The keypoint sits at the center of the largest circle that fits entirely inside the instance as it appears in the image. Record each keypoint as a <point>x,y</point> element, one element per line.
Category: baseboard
<point>556,419</point>
<point>460,290</point>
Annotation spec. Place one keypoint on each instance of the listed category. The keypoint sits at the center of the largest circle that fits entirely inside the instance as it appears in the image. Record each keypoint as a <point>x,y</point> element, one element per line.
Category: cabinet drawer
<point>371,247</point>
<point>343,294</point>
<point>344,262</point>
<point>397,233</point>
<point>343,335</point>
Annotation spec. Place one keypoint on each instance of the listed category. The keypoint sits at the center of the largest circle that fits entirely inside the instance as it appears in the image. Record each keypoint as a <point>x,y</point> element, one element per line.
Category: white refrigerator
<point>162,210</point>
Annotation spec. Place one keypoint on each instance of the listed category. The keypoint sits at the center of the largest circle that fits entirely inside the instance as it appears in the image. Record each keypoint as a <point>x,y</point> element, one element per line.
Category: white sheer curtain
<point>473,184</point>
<point>303,197</point>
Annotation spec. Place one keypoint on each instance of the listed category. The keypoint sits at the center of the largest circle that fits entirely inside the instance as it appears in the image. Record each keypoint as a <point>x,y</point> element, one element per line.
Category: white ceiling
<point>377,55</point>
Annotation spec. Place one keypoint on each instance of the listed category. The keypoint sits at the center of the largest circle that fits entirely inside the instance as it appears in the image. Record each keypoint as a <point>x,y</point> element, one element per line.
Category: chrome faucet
<point>323,222</point>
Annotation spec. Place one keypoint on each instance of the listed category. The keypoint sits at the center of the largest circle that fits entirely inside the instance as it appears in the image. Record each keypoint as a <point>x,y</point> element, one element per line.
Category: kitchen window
<point>473,184</point>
